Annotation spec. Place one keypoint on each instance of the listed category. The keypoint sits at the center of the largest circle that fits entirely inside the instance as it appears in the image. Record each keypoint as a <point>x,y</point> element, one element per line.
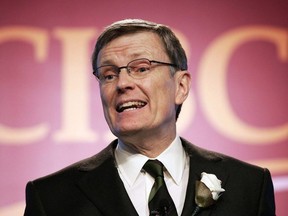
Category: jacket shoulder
<point>227,162</point>
<point>79,168</point>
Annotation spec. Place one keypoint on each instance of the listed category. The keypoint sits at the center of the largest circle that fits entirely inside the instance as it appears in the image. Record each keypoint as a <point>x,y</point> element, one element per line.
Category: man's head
<point>171,43</point>
<point>153,101</point>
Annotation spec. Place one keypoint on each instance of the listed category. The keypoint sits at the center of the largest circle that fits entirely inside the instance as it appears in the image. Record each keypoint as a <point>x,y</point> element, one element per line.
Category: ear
<point>183,83</point>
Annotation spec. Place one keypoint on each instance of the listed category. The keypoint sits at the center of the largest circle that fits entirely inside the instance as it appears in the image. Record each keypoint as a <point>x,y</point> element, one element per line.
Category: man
<point>142,72</point>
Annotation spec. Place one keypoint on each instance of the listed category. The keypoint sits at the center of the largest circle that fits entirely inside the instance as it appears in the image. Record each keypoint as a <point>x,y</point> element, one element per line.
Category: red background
<point>32,91</point>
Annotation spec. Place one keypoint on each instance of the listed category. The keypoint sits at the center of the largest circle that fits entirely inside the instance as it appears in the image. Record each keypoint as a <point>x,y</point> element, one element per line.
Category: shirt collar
<point>130,163</point>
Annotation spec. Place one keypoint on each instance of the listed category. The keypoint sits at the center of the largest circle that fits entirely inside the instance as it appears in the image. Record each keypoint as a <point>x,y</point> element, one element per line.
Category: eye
<point>109,77</point>
<point>140,66</point>
<point>108,73</point>
<point>142,69</point>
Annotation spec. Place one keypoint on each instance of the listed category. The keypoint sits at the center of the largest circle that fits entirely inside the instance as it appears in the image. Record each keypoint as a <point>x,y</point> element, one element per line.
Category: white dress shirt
<point>138,184</point>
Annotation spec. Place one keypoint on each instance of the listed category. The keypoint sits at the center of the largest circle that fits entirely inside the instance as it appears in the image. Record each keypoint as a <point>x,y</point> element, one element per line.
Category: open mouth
<point>131,105</point>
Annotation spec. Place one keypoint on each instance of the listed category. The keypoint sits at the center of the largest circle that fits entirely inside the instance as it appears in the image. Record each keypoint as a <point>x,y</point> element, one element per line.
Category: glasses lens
<point>139,68</point>
<point>107,73</point>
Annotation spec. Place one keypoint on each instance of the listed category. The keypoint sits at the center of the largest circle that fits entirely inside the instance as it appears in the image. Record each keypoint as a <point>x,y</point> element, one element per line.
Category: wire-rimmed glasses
<point>137,69</point>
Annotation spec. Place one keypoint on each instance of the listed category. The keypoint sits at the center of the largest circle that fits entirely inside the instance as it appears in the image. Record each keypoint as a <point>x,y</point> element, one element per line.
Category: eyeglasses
<point>138,69</point>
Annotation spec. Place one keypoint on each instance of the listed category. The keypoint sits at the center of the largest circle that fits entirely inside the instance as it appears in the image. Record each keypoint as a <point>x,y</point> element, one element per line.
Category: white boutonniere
<point>207,191</point>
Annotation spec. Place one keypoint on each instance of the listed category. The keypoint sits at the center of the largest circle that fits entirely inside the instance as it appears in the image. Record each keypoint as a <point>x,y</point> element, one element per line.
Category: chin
<point>126,131</point>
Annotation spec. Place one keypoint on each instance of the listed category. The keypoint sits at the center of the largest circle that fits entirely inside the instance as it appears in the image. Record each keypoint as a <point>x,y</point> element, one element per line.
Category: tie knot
<point>154,168</point>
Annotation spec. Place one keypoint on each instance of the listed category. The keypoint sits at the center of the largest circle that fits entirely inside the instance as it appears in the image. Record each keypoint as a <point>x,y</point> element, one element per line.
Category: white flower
<point>207,191</point>
<point>213,183</point>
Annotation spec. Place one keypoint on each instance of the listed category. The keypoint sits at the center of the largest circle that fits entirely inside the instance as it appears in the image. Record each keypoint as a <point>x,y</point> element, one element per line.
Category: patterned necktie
<point>160,202</point>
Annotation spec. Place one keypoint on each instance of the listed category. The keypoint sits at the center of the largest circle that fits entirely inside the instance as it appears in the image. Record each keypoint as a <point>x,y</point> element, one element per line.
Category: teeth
<point>131,105</point>
<point>132,108</point>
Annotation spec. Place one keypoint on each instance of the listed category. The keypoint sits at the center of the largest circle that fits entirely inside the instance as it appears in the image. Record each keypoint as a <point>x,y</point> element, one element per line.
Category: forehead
<point>140,44</point>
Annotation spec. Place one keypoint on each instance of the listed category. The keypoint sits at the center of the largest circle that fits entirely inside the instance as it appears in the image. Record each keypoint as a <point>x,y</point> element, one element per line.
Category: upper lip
<point>121,106</point>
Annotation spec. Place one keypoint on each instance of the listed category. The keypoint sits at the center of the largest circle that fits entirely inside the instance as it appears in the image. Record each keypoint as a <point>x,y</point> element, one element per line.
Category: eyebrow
<point>106,62</point>
<point>132,57</point>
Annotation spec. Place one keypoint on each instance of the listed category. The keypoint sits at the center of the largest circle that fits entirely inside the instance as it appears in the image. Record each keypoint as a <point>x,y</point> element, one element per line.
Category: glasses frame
<point>95,72</point>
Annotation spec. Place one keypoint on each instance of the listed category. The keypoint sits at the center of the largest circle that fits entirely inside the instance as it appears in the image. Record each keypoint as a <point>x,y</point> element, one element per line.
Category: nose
<point>125,81</point>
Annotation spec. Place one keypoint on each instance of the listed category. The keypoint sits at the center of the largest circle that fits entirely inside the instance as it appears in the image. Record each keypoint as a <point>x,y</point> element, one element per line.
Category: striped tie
<point>160,202</point>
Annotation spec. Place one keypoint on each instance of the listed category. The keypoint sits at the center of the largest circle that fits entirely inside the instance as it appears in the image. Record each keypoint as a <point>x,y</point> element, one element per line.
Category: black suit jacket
<point>92,187</point>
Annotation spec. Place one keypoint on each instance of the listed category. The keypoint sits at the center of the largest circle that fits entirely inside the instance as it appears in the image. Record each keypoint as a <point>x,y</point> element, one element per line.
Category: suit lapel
<point>103,186</point>
<point>201,161</point>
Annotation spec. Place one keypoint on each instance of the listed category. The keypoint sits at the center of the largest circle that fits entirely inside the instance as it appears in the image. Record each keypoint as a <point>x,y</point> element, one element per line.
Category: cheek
<point>106,99</point>
<point>164,93</point>
<point>106,105</point>
<point>103,99</point>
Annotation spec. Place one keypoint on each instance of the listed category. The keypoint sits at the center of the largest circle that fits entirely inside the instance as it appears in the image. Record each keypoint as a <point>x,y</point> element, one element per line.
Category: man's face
<point>150,101</point>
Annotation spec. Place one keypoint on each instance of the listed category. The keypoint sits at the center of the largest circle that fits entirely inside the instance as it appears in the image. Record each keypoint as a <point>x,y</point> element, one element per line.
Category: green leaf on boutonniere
<point>207,191</point>
<point>203,197</point>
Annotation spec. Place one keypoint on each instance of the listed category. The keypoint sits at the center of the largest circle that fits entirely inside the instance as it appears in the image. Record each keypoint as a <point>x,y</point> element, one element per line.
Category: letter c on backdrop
<point>213,91</point>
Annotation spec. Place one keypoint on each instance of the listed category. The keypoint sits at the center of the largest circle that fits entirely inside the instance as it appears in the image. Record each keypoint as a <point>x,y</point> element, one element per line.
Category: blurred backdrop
<point>50,111</point>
